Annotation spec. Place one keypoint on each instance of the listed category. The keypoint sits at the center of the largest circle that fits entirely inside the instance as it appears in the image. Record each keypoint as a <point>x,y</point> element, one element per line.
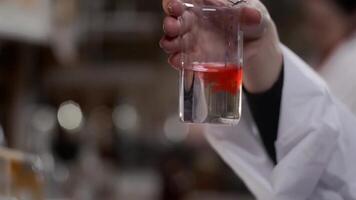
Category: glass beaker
<point>212,59</point>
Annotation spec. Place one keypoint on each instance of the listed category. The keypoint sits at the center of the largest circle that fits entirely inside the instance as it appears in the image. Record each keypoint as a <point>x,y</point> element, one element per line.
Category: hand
<point>262,53</point>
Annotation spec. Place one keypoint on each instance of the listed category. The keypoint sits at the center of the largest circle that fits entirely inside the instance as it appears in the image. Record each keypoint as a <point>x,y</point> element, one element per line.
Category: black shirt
<point>265,109</point>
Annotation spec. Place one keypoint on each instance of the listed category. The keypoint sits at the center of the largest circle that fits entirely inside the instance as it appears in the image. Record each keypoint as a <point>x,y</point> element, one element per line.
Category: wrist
<point>263,69</point>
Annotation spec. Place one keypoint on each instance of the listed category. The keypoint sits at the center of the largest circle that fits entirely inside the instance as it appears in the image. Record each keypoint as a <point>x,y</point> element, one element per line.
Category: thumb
<point>253,21</point>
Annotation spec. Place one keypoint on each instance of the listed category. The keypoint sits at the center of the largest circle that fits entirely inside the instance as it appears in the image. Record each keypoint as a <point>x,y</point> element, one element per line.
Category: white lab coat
<point>339,71</point>
<point>316,144</point>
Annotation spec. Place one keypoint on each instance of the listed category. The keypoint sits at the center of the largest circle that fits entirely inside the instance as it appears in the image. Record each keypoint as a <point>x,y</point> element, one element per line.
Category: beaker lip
<point>208,7</point>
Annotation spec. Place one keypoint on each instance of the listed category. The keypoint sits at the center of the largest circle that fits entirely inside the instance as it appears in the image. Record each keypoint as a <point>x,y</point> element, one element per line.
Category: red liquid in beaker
<point>221,77</point>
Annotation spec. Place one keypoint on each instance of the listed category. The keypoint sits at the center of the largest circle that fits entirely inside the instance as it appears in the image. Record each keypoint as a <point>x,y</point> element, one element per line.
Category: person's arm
<point>311,122</point>
<point>308,131</point>
<point>263,64</point>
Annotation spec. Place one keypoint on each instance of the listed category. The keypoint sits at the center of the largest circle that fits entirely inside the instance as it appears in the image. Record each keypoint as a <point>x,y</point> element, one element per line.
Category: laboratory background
<point>89,104</point>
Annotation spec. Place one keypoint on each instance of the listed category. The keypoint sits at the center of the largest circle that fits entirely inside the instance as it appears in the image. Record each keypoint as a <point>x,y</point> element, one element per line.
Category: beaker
<point>212,59</point>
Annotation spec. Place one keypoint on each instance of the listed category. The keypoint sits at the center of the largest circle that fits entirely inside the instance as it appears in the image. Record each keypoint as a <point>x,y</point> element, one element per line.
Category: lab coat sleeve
<point>316,141</point>
<point>309,131</point>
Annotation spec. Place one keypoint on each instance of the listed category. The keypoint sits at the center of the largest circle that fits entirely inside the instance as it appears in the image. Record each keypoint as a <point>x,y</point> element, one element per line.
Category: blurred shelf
<point>26,21</point>
<point>125,25</point>
<point>102,76</point>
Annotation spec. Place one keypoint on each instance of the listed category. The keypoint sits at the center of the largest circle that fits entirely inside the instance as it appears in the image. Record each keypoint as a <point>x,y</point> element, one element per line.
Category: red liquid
<point>221,77</point>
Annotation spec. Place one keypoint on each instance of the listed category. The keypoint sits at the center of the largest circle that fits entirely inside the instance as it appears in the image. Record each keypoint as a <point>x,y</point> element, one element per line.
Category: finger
<point>170,45</point>
<point>250,16</point>
<point>174,27</point>
<point>253,21</point>
<point>175,61</point>
<point>174,8</point>
<point>187,20</point>
<point>171,26</point>
<point>178,44</point>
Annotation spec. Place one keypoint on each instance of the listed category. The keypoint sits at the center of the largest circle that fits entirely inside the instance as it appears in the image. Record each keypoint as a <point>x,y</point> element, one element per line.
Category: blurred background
<point>89,104</point>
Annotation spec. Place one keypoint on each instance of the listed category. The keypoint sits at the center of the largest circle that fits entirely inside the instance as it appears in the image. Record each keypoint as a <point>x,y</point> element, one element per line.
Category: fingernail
<point>170,7</point>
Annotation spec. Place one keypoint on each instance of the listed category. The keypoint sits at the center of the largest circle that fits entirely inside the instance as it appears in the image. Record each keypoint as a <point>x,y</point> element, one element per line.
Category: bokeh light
<point>174,130</point>
<point>126,118</point>
<point>70,116</point>
<point>44,119</point>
